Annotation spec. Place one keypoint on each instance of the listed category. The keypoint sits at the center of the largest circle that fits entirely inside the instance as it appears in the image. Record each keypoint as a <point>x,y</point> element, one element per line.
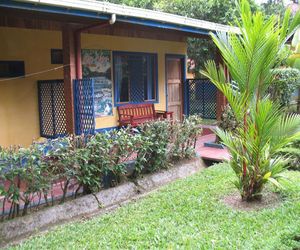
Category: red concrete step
<point>210,153</point>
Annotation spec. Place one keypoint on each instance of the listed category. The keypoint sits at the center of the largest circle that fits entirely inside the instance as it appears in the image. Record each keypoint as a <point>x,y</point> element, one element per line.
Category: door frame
<point>185,99</point>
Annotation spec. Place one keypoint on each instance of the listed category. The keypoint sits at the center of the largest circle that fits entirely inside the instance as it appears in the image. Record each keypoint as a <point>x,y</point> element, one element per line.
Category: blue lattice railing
<point>202,98</point>
<point>84,106</point>
<point>52,108</point>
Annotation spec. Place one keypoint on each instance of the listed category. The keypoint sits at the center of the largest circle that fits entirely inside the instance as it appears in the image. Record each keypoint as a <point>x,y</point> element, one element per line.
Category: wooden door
<point>175,86</point>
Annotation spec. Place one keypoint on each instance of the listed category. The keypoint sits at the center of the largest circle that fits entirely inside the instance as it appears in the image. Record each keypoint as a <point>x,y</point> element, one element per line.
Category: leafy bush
<point>84,162</point>
<point>86,174</point>
<point>156,135</point>
<point>111,150</point>
<point>23,170</point>
<point>184,136</point>
<point>34,176</point>
<point>10,165</point>
<point>286,82</point>
<point>166,141</point>
<point>292,153</point>
<point>63,161</point>
<point>228,121</point>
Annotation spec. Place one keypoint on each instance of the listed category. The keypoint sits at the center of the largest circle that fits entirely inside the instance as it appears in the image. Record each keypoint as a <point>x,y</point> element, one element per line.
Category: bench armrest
<point>160,111</point>
<point>164,113</point>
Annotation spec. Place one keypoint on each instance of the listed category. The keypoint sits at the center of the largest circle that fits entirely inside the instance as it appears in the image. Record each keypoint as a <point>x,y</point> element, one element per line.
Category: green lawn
<point>185,214</point>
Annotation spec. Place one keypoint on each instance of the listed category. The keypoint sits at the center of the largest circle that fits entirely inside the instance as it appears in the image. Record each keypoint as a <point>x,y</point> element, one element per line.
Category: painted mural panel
<point>96,64</point>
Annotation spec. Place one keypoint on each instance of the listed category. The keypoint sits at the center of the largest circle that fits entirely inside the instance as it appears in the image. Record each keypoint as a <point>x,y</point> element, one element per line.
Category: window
<point>135,76</point>
<point>12,68</point>
<point>56,56</point>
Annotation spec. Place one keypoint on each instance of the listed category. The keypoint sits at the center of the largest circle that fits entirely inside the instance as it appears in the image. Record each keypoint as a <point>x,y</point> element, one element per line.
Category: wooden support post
<point>68,45</point>
<point>78,55</point>
<point>221,100</point>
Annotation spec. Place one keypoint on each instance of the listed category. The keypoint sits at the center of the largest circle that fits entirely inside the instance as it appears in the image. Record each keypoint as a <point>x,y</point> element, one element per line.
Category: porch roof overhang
<point>103,11</point>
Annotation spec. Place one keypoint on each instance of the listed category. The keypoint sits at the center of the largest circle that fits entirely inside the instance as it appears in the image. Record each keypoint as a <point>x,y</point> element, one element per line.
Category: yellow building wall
<point>19,117</point>
<point>91,41</point>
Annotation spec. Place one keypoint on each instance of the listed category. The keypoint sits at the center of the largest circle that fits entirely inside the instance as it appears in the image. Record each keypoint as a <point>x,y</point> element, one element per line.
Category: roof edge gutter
<point>99,9</point>
<point>101,16</point>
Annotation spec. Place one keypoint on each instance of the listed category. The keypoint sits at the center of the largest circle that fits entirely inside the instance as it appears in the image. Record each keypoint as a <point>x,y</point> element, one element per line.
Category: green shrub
<point>166,141</point>
<point>10,165</point>
<point>69,160</point>
<point>156,135</point>
<point>85,161</point>
<point>86,174</point>
<point>184,137</point>
<point>111,150</point>
<point>34,175</point>
<point>228,121</point>
<point>292,153</point>
<point>286,82</point>
<point>27,177</point>
<point>60,161</point>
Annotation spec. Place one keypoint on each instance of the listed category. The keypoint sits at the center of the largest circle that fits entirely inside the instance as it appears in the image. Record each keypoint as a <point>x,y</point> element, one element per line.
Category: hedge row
<point>86,162</point>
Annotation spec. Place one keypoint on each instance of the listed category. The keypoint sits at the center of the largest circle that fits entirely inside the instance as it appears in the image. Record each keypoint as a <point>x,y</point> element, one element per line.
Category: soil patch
<point>269,200</point>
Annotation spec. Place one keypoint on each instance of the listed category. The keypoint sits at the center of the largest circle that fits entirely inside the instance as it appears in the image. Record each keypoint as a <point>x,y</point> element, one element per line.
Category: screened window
<point>12,68</point>
<point>135,76</point>
<point>56,56</point>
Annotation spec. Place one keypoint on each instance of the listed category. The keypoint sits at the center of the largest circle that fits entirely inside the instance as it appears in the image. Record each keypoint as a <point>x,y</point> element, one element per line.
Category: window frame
<point>155,78</point>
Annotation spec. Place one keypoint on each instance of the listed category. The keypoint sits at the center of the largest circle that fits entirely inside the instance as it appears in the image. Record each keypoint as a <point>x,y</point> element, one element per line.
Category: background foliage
<point>228,121</point>
<point>220,11</point>
<point>292,153</point>
<point>286,82</point>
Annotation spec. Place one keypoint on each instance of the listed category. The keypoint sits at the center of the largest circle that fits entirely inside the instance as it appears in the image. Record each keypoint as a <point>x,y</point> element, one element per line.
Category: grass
<point>185,214</point>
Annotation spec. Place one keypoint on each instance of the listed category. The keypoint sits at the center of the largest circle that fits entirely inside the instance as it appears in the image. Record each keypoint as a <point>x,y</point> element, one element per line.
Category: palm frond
<point>250,57</point>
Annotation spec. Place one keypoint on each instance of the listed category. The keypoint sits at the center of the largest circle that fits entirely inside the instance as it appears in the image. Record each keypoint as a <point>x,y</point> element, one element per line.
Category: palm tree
<point>250,57</point>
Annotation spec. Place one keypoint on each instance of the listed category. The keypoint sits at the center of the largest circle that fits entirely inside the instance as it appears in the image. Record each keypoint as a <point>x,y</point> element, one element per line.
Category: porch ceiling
<point>104,10</point>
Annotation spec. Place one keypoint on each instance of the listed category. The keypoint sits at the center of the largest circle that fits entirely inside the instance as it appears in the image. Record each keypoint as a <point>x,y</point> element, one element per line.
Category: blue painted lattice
<point>202,98</point>
<point>52,108</point>
<point>84,106</point>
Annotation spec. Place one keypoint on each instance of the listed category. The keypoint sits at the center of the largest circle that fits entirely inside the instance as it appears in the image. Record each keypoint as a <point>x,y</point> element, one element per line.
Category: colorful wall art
<point>96,64</point>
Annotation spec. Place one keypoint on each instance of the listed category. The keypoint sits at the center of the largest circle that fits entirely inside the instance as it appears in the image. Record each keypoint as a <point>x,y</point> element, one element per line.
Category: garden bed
<point>81,165</point>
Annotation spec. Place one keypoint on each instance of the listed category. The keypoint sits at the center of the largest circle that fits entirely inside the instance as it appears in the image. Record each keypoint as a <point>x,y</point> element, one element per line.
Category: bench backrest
<point>139,110</point>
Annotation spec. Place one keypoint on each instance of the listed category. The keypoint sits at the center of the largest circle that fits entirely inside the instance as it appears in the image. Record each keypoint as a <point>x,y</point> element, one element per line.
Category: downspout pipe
<point>77,39</point>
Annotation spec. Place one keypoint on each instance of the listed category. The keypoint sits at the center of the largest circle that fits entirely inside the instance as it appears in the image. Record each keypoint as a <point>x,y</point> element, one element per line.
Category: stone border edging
<point>20,227</point>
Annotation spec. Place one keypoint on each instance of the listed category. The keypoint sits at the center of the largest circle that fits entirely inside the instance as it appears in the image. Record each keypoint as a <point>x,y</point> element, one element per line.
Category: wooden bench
<point>136,114</point>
